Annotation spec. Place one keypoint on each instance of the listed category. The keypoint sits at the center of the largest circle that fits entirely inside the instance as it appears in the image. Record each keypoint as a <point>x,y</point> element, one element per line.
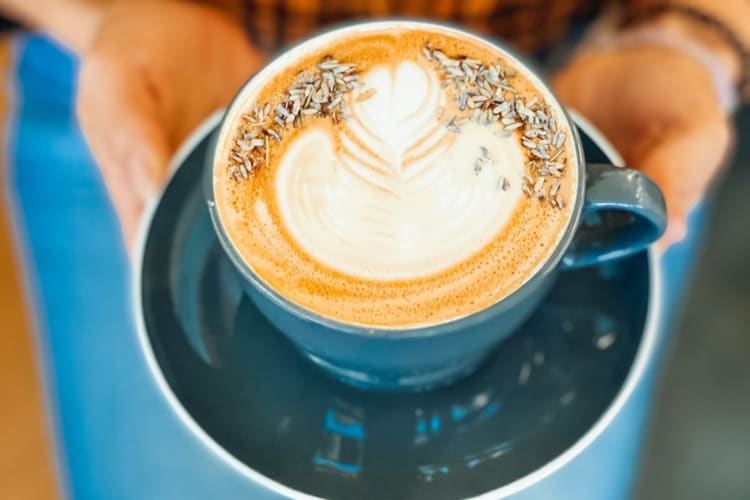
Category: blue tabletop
<point>116,435</point>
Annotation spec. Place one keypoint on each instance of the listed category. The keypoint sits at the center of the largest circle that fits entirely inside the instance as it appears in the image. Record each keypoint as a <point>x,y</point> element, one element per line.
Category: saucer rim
<point>636,372</point>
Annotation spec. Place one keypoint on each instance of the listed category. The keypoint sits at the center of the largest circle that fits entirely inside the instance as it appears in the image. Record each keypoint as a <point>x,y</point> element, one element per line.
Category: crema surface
<point>390,217</point>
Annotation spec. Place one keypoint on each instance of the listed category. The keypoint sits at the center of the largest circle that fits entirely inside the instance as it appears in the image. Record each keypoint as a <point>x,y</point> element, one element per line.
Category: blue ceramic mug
<point>617,212</point>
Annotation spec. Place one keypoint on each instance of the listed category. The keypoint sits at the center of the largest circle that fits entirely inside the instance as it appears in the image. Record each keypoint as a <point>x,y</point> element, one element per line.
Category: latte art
<point>392,180</point>
<point>397,197</point>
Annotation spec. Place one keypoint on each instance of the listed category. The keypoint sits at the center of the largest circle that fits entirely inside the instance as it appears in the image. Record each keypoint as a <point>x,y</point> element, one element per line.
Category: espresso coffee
<point>395,177</point>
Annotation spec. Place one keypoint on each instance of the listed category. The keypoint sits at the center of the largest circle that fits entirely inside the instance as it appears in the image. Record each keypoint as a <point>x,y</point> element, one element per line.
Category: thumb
<point>684,164</point>
<point>143,151</point>
<point>675,232</point>
<point>127,139</point>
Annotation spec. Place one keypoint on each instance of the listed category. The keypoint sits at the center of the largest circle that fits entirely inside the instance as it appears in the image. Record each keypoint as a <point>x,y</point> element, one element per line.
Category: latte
<point>395,178</point>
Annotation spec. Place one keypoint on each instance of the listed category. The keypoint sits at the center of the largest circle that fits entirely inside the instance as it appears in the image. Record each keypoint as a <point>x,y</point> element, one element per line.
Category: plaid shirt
<point>527,24</point>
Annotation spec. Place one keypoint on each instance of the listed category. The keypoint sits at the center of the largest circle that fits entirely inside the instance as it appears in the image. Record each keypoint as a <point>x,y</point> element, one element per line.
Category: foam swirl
<point>395,195</point>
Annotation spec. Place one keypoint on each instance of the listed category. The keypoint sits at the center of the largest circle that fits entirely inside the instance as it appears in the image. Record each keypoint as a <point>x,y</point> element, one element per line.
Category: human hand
<point>152,73</point>
<point>659,108</point>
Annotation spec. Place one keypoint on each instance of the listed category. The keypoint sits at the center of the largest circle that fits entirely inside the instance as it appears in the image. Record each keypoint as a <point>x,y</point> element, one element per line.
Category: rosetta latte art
<point>393,194</point>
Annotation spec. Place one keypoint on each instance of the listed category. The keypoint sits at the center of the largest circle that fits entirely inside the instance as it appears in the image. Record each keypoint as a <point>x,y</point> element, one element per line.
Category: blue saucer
<point>244,388</point>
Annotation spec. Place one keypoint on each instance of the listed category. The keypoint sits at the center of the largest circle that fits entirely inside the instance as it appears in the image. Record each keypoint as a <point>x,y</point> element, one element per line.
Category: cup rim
<point>398,332</point>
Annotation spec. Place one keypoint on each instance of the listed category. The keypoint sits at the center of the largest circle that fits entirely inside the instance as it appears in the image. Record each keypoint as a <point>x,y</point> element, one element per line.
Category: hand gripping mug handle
<point>623,213</point>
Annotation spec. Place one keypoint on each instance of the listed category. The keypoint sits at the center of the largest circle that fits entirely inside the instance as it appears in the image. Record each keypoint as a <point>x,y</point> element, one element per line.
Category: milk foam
<point>396,196</point>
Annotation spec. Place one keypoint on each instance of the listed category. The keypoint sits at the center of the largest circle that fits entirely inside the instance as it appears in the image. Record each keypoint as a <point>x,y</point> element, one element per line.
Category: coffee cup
<point>337,272</point>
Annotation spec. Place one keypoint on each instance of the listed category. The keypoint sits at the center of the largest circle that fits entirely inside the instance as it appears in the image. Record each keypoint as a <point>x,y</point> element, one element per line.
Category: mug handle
<point>623,213</point>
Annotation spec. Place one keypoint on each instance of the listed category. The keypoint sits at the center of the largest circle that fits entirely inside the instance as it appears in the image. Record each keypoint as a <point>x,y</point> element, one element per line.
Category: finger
<point>121,122</point>
<point>123,131</point>
<point>684,165</point>
<point>676,232</point>
<point>130,213</point>
<point>126,202</point>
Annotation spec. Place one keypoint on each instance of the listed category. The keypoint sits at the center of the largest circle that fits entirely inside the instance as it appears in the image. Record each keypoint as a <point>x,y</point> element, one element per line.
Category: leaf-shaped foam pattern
<point>396,196</point>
